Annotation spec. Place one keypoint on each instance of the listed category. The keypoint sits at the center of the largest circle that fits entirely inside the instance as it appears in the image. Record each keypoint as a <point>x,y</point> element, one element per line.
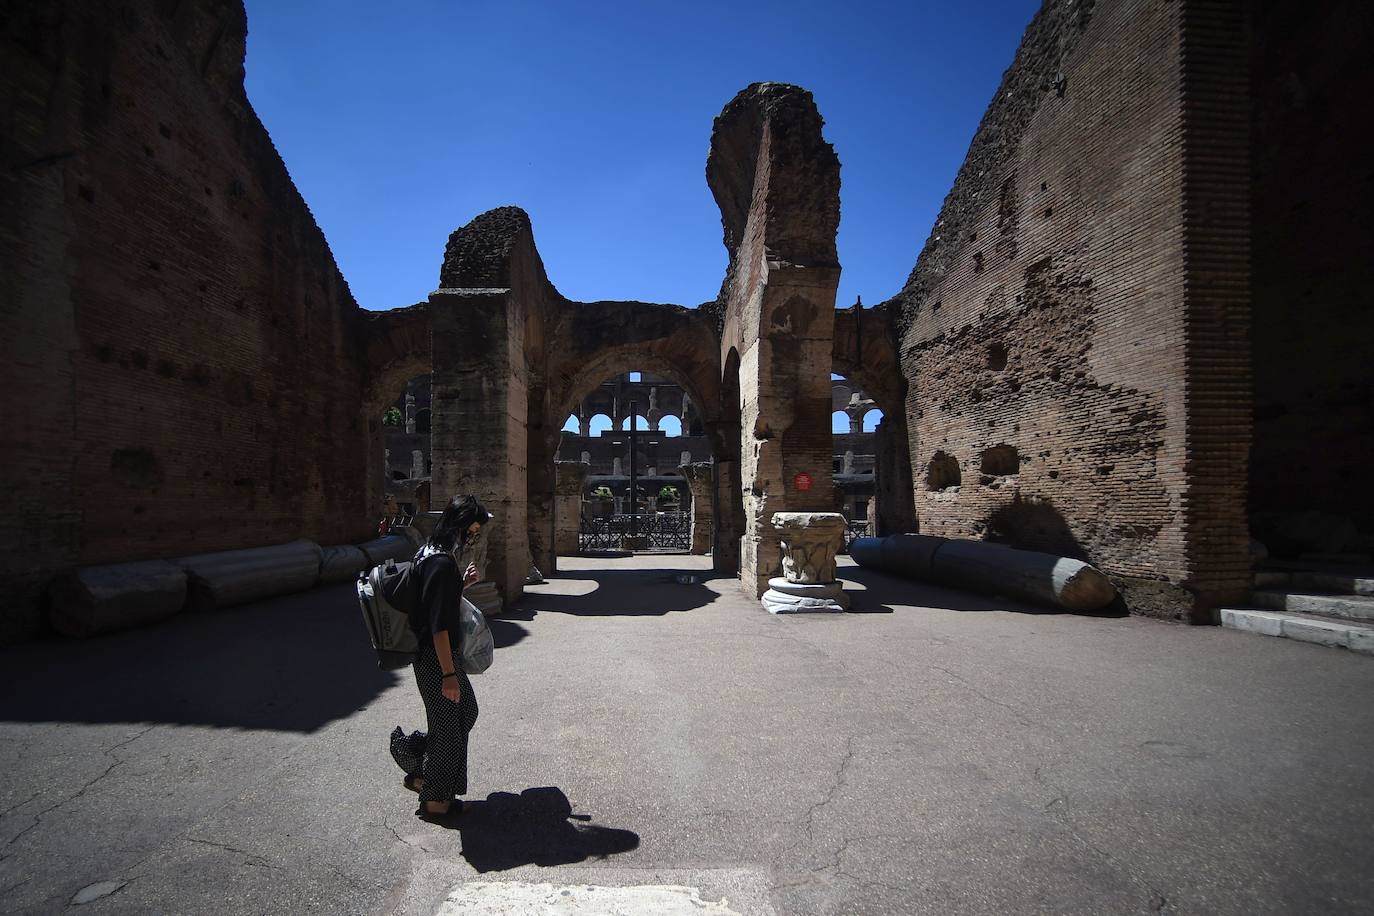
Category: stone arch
<point>729,520</point>
<point>865,351</point>
<point>396,344</point>
<point>596,341</point>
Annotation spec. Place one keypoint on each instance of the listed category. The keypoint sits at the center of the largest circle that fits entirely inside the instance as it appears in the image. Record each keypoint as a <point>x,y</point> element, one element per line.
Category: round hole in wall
<point>997,357</point>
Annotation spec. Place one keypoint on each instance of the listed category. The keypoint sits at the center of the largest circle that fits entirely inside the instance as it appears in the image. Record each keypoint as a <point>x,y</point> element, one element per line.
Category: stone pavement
<point>656,746</point>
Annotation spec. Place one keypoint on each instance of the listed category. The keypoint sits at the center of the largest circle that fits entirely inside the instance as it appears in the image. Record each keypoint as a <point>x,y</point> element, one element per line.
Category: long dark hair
<point>453,525</point>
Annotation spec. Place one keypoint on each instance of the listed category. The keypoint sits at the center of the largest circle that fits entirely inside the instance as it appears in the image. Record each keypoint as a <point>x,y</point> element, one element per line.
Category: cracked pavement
<point>956,755</point>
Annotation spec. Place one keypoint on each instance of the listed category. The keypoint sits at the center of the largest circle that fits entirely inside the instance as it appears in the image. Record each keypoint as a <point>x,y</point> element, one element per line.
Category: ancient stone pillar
<point>809,542</point>
<point>701,480</point>
<point>410,413</point>
<point>480,403</point>
<point>777,183</point>
<point>417,463</point>
<point>541,483</point>
<point>482,593</point>
<point>567,506</point>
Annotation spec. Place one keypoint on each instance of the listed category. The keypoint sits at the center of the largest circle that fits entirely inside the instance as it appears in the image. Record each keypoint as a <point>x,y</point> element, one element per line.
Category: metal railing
<point>855,529</point>
<point>660,531</point>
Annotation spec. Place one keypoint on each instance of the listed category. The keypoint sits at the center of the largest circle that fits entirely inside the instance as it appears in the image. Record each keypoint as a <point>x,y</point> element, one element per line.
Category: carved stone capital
<point>809,542</point>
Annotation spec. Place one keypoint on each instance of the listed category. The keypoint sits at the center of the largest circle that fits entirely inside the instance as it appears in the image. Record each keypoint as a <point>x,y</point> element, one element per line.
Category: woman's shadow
<point>536,827</point>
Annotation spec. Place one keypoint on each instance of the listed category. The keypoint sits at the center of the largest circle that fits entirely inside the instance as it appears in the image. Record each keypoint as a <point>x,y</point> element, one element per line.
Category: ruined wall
<point>777,183</point>
<point>1313,272</point>
<point>181,371</point>
<point>1071,329</point>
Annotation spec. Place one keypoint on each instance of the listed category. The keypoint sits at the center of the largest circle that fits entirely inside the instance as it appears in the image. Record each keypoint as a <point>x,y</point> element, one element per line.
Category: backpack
<point>388,592</point>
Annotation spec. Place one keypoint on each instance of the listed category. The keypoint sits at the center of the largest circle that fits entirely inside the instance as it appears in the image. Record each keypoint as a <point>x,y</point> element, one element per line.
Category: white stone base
<point>784,597</point>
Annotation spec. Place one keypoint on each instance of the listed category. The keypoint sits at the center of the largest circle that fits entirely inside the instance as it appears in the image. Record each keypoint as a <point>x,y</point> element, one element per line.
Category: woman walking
<point>450,705</point>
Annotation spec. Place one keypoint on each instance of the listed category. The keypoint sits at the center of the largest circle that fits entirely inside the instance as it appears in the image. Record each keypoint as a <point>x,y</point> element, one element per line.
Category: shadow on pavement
<point>894,590</point>
<point>536,827</point>
<point>293,663</point>
<point>618,593</point>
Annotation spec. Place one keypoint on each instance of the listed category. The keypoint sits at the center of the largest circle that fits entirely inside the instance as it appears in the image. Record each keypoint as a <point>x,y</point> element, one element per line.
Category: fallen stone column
<point>232,577</point>
<point>391,547</point>
<point>100,599</point>
<point>994,569</point>
<point>341,564</point>
<point>809,542</point>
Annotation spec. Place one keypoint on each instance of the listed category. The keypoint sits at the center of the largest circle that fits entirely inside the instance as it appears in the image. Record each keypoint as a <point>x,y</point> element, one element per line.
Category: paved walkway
<point>931,753</point>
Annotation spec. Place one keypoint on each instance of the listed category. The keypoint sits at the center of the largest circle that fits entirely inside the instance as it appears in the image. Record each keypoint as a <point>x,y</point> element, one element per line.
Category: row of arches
<point>602,423</point>
<point>842,422</point>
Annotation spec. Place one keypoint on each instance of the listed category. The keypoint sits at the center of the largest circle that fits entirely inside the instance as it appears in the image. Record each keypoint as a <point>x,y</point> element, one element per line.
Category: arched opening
<point>406,461</point>
<point>619,489</point>
<point>943,472</point>
<point>729,521</point>
<point>599,424</point>
<point>853,455</point>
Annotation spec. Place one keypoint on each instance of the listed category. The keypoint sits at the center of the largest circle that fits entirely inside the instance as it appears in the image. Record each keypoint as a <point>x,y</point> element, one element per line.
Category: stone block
<point>1316,631</point>
<point>1362,641</point>
<point>1264,623</point>
<point>99,599</point>
<point>485,597</point>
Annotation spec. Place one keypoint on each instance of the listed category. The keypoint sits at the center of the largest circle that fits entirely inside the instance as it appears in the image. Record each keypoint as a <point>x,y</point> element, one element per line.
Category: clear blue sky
<point>400,122</point>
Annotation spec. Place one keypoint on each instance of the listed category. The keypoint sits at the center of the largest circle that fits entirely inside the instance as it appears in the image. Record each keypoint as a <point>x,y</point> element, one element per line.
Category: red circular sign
<point>802,481</point>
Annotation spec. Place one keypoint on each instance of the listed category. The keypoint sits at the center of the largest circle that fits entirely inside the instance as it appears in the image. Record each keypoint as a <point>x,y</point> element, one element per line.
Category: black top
<point>441,587</point>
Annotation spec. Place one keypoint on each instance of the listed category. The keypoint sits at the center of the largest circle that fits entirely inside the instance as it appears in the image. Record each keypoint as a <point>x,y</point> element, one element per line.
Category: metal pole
<point>634,469</point>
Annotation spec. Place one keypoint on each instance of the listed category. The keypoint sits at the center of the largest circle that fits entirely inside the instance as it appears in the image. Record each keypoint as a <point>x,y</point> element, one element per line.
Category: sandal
<point>410,780</point>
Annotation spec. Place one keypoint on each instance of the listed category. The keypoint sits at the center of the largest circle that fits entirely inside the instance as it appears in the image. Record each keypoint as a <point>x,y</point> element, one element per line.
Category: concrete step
<point>1351,607</point>
<point>1322,631</point>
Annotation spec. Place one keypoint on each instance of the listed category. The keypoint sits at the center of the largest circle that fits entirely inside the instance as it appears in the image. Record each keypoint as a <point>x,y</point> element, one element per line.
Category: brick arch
<point>622,359</point>
<point>601,339</point>
<point>865,353</point>
<point>397,348</point>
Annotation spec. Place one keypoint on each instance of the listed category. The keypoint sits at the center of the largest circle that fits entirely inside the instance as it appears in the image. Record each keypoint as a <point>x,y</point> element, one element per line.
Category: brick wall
<point>1058,331</point>
<point>187,373</point>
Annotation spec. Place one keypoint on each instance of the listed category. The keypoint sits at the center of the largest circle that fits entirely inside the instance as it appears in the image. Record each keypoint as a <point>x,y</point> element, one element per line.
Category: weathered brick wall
<point>184,373</point>
<point>1060,367</point>
<point>1313,270</point>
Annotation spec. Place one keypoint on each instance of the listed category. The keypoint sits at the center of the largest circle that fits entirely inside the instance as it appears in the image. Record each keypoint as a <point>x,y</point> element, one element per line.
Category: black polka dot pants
<point>446,750</point>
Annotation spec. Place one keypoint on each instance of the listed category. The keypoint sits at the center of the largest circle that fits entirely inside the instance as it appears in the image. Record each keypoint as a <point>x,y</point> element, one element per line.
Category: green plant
<point>392,417</point>
<point>602,493</point>
<point>668,494</point>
